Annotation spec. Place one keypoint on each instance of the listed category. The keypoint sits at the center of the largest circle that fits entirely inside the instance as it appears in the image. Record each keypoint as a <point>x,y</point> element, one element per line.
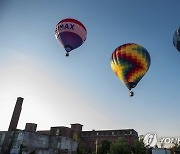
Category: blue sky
<point>82,88</point>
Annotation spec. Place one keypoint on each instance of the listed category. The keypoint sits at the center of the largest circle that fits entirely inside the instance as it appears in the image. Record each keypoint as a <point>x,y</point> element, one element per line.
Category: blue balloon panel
<point>70,40</point>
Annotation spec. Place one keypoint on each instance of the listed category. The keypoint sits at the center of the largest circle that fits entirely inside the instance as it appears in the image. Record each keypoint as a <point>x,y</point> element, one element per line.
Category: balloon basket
<point>131,93</point>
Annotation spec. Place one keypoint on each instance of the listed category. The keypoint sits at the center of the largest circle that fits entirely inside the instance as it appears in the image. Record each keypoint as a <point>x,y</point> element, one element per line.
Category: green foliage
<point>80,148</point>
<point>83,149</point>
<point>138,147</point>
<point>176,147</point>
<point>120,147</point>
<point>104,147</point>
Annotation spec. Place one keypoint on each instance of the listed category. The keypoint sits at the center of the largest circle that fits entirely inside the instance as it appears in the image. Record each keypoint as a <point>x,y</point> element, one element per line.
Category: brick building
<point>61,139</point>
<point>94,137</point>
<point>57,140</point>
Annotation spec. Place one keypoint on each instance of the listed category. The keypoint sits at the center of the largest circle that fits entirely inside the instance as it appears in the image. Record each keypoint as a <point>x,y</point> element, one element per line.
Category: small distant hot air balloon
<point>130,62</point>
<point>71,33</point>
<point>176,39</point>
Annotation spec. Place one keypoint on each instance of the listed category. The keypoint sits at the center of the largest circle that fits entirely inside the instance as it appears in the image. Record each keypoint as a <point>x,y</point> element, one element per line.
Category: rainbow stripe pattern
<point>130,62</point>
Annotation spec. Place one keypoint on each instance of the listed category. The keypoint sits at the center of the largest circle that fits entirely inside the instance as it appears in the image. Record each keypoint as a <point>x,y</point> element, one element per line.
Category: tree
<point>120,147</point>
<point>176,147</point>
<point>80,148</point>
<point>104,147</point>
<point>138,147</point>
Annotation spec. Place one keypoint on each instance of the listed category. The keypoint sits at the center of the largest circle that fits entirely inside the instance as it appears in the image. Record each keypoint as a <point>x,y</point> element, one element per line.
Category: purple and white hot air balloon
<point>71,33</point>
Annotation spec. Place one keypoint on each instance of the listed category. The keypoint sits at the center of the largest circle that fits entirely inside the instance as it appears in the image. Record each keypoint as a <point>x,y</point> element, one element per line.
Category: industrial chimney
<point>12,126</point>
<point>16,114</point>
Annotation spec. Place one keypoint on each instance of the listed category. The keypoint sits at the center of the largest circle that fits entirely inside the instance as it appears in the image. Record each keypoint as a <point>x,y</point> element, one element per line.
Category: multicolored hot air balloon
<point>176,39</point>
<point>130,62</point>
<point>71,33</point>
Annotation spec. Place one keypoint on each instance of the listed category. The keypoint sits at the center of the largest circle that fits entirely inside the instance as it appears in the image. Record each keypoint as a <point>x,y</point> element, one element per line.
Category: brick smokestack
<point>12,126</point>
<point>16,114</point>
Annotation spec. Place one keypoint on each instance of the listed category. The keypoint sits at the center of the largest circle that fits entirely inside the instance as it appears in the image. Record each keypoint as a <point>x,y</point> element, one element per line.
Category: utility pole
<point>12,126</point>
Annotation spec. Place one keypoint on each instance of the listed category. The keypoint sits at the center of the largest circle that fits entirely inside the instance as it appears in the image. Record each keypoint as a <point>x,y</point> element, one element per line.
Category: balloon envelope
<point>71,33</point>
<point>176,39</point>
<point>130,62</point>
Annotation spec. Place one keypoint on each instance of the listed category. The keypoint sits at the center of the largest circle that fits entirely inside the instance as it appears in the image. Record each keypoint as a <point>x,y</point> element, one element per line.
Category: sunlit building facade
<point>62,140</point>
<point>57,140</point>
<point>41,142</point>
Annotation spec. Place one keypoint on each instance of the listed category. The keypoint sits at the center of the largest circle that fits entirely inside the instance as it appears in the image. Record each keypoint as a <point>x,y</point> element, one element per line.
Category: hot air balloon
<point>130,62</point>
<point>71,33</point>
<point>176,39</point>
